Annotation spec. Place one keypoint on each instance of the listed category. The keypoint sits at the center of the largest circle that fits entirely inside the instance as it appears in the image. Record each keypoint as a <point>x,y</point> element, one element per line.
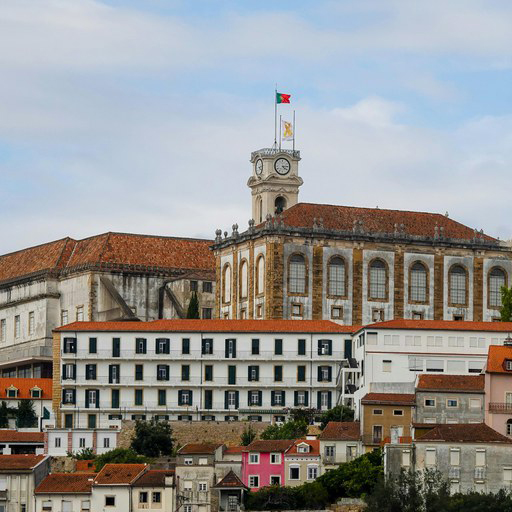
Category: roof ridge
<point>36,246</point>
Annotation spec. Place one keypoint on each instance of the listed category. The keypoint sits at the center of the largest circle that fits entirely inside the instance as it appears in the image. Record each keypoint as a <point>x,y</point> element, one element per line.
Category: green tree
<point>506,304</point>
<point>338,413</point>
<point>152,438</point>
<point>84,454</point>
<point>193,307</point>
<point>302,414</point>
<point>288,430</point>
<point>25,415</point>
<point>5,413</point>
<point>119,456</point>
<point>248,436</point>
<point>312,496</point>
<point>273,497</point>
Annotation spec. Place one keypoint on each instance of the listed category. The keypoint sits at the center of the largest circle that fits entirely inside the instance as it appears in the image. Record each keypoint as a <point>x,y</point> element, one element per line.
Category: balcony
<point>500,408</point>
<point>370,439</point>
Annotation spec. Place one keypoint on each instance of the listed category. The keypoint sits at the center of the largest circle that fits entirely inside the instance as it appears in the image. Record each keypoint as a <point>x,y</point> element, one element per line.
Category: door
<point>377,433</point>
<point>232,502</point>
<point>348,349</point>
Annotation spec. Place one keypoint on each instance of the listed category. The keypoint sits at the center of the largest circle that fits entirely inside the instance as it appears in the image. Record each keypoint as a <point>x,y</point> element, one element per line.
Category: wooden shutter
<point>329,373</point>
<point>319,399</point>
<point>319,347</point>
<point>260,398</point>
<point>237,399</point>
<point>319,374</point>
<point>97,399</point>
<point>272,398</point>
<point>227,348</point>
<point>110,366</point>
<point>283,398</point>
<point>306,398</point>
<point>180,397</point>
<point>226,399</point>
<point>249,402</point>
<point>295,398</point>
<point>329,399</point>
<point>302,347</point>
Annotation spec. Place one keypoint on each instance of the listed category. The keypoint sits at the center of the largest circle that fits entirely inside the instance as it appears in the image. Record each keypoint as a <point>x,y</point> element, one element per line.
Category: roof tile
<point>153,478</point>
<point>314,448</point>
<point>24,386</point>
<point>261,445</point>
<point>442,325</point>
<point>14,436</point>
<point>474,383</point>
<point>464,433</point>
<point>341,431</point>
<point>116,474</point>
<point>389,398</point>
<point>496,358</point>
<point>66,483</point>
<point>19,462</point>
<point>198,448</point>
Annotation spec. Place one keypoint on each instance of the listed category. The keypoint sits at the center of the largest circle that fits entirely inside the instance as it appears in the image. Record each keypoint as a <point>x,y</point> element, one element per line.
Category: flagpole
<point>280,136</point>
<point>294,128</point>
<point>275,116</point>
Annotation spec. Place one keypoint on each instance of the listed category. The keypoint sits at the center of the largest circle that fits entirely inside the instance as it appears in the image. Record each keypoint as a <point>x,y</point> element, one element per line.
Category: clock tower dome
<point>274,182</point>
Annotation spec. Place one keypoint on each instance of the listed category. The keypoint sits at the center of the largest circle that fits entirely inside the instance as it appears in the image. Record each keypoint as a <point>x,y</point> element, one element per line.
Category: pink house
<point>498,388</point>
<point>263,463</point>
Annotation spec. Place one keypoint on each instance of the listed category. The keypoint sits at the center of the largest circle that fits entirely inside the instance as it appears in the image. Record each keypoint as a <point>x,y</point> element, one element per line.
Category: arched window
<point>226,283</point>
<point>418,282</point>
<point>259,210</point>
<point>497,279</point>
<point>280,204</point>
<point>509,427</point>
<point>378,280</point>
<point>336,276</point>
<point>457,285</point>
<point>260,275</point>
<point>243,279</point>
<point>297,274</point>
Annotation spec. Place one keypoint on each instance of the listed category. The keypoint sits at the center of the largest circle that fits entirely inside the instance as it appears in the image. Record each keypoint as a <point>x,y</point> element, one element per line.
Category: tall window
<point>260,275</point>
<point>226,283</point>
<point>336,270</point>
<point>243,279</point>
<point>418,282</point>
<point>259,210</point>
<point>297,274</point>
<point>378,280</point>
<point>497,279</point>
<point>457,280</point>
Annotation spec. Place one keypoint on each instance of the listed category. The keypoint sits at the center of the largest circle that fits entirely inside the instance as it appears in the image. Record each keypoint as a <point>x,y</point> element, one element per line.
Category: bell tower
<point>275,181</point>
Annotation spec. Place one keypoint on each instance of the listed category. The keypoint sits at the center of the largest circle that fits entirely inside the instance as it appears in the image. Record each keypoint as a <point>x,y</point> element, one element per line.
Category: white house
<point>195,369</point>
<point>59,442</point>
<point>64,492</point>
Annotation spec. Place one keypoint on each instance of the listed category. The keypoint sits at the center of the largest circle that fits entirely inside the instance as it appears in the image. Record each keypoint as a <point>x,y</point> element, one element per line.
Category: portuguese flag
<point>282,98</point>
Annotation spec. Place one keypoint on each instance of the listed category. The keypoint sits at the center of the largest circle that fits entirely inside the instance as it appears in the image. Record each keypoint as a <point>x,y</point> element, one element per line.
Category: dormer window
<point>12,392</point>
<point>508,365</point>
<point>303,448</point>
<point>35,392</point>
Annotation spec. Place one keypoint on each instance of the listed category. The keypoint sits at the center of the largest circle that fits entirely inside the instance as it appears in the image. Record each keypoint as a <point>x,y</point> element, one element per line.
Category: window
<point>64,317</point>
<point>434,365</point>
<point>90,372</point>
<point>391,339</point>
<point>143,497</point>
<point>303,448</point>
<point>208,372</point>
<point>81,442</point>
<point>418,282</point>
<point>259,310</point>
<point>91,421</point>
<point>475,403</point>
<point>254,398</point>
<point>255,347</point>
<point>301,373</point>
<point>336,276</point>
<point>185,372</point>
<point>69,396</point>
<point>336,312</point>
<point>116,347</point>
<point>301,398</point>
<point>17,326</point>
<point>157,496</point>
<point>278,373</point>
<point>477,342</point>
<point>275,458</point>
<point>497,279</point>
<point>254,458</point>
<point>193,286</point>
<point>398,412</point>
<point>226,283</point>
<point>312,472</point>
<point>162,372</point>
<point>457,283</point>
<point>187,508</point>
<point>434,341</point>
<point>377,315</point>
<point>275,480</point>
<point>254,481</point>
<point>452,402</point>
<point>106,442</point>
<point>185,346</point>
<point>386,366</point>
<point>57,442</point>
<point>406,458</point>
<point>203,486</point>
<point>454,457</point>
<point>260,275</point>
<point>417,315</point>
<point>207,346</point>
<point>430,457</point>
<point>3,330</point>
<point>162,346</point>
<point>35,393</point>
<point>231,399</point>
<point>207,313</point>
<point>480,457</point>
<point>330,451</point>
<point>243,279</point>
<point>31,323</point>
<point>139,397</point>
<point>162,397</point>
<point>377,412</point>
<point>110,501</point>
<point>140,346</point>
<point>301,347</point>
<point>455,341</point>
<point>114,371</point>
<point>297,274</point>
<point>294,472</point>
<point>93,342</point>
<point>278,347</point>
<point>139,372</point>
<point>188,461</point>
<point>378,280</point>
<point>430,402</point>
<point>207,287</point>
<point>231,374</point>
<point>296,310</point>
<point>184,397</point>
<point>80,314</point>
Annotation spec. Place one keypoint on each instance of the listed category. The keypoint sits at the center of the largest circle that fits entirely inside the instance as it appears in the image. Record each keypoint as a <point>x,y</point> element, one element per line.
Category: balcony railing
<point>500,407</point>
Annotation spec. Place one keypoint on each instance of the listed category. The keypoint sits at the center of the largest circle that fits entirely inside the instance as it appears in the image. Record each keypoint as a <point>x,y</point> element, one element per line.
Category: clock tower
<point>274,182</point>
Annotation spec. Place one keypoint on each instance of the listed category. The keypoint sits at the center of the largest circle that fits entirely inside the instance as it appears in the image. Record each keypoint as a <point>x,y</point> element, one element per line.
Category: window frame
<point>297,276</point>
<point>372,296</point>
<point>413,296</point>
<point>453,271</point>
<point>343,286</point>
<point>490,292</point>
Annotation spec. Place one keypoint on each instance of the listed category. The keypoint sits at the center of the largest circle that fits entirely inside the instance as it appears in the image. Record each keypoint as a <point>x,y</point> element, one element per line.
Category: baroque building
<point>348,264</point>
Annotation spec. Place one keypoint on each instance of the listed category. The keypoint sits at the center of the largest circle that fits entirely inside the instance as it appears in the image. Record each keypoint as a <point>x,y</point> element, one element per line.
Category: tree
<point>312,496</point>
<point>301,414</point>
<point>152,438</point>
<point>338,413</point>
<point>5,413</point>
<point>119,456</point>
<point>273,497</point>
<point>84,454</point>
<point>288,430</point>
<point>193,307</point>
<point>25,415</point>
<point>248,436</point>
<point>506,304</point>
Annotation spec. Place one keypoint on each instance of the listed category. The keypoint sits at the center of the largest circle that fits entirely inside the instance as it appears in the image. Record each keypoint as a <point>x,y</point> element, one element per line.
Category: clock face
<point>282,166</point>
<point>259,167</point>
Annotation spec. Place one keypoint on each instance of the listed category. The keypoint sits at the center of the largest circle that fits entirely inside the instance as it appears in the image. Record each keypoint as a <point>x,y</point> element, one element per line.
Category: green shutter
<point>302,347</point>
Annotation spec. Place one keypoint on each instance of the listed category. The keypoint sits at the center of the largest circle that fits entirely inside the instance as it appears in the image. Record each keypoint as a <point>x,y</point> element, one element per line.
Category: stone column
<point>478,289</point>
<point>317,292</point>
<point>357,286</point>
<point>439,285</point>
<point>398,283</point>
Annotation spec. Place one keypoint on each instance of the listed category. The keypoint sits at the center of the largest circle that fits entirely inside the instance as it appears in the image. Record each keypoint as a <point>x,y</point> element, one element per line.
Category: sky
<point>140,116</point>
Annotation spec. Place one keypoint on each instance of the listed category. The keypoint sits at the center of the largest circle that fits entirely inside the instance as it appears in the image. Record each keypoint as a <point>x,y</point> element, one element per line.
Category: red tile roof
<point>314,448</point>
<point>464,433</point>
<point>284,326</point>
<point>24,386</point>
<point>66,483</point>
<point>119,251</point>
<point>442,325</point>
<point>496,358</point>
<point>153,478</point>
<point>389,398</point>
<point>198,448</point>
<point>376,220</point>
<point>461,383</point>
<point>19,462</point>
<point>341,431</point>
<point>261,445</point>
<point>119,474</point>
<point>13,436</point>
<point>234,449</point>
<point>231,481</point>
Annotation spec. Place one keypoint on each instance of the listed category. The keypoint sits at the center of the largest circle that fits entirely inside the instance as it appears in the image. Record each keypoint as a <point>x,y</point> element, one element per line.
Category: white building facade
<point>193,370</point>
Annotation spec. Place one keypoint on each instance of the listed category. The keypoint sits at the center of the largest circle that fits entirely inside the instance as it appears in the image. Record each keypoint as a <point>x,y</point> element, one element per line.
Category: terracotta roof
<point>284,326</point>
<point>496,358</point>
<point>261,445</point>
<point>462,383</point>
<point>66,483</point>
<point>13,436</point>
<point>389,398</point>
<point>24,386</point>
<point>153,478</point>
<point>119,251</point>
<point>19,462</point>
<point>314,448</point>
<point>198,448</point>
<point>425,425</point>
<point>376,220</point>
<point>232,481</point>
<point>234,449</point>
<point>442,325</point>
<point>464,433</point>
<point>341,431</point>
<point>119,474</point>
<point>314,430</point>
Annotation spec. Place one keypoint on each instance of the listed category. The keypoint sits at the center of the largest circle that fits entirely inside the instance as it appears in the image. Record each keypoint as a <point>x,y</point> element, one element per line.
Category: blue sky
<point>140,116</point>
